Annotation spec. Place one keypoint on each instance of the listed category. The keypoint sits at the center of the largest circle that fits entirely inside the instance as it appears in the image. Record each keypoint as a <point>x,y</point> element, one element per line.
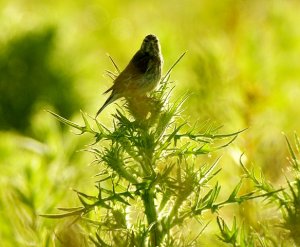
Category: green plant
<point>240,236</point>
<point>29,77</point>
<point>152,178</point>
<point>287,199</point>
<point>290,204</point>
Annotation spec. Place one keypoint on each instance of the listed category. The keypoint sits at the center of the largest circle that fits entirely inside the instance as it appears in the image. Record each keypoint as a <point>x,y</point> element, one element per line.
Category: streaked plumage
<point>141,75</point>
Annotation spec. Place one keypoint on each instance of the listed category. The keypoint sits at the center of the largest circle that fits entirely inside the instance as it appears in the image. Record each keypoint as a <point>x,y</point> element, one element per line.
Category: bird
<point>140,76</point>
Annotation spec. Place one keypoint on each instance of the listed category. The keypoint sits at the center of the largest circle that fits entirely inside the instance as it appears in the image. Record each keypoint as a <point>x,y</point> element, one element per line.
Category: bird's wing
<point>133,72</point>
<point>127,78</point>
<point>129,74</point>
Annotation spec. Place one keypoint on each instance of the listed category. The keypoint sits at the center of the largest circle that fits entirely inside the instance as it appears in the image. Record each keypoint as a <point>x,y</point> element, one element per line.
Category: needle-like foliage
<point>151,178</point>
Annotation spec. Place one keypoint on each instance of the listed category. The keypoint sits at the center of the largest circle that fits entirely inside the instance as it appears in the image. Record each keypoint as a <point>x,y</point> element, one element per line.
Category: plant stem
<point>151,214</point>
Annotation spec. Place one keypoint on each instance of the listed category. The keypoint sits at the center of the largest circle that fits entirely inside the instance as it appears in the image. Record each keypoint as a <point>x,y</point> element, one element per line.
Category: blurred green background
<point>242,67</point>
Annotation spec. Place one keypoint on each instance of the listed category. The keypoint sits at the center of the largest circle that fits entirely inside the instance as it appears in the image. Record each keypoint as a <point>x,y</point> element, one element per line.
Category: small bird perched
<point>140,76</point>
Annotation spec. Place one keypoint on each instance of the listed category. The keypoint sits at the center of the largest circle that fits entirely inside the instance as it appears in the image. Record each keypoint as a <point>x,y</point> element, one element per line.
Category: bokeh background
<point>242,67</point>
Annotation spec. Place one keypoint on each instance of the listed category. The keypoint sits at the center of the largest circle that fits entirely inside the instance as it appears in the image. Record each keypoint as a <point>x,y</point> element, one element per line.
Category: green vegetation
<point>151,180</point>
<point>174,178</point>
<point>28,78</point>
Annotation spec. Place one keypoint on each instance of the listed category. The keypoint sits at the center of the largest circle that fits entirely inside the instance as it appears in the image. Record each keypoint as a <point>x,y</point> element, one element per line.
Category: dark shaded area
<point>28,77</point>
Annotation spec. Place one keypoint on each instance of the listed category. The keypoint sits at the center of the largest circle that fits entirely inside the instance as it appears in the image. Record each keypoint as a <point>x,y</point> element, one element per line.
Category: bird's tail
<point>110,99</point>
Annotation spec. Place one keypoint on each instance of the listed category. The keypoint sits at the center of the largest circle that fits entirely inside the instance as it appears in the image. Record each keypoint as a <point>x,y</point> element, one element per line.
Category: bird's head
<point>151,45</point>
